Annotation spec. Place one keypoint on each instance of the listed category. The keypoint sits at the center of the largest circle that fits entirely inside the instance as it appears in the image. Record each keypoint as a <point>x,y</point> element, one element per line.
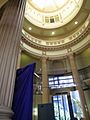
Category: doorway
<point>67,106</point>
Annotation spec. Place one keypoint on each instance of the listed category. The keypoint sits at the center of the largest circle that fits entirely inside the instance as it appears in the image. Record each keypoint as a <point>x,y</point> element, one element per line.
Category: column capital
<point>70,52</point>
<point>44,55</point>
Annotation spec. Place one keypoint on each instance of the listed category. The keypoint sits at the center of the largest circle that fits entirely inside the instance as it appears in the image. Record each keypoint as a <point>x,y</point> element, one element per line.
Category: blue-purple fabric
<point>23,93</point>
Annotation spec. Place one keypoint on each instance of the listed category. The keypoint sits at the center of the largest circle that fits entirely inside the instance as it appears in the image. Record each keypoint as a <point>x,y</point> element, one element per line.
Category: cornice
<point>58,48</point>
<point>55,54</point>
<point>67,42</point>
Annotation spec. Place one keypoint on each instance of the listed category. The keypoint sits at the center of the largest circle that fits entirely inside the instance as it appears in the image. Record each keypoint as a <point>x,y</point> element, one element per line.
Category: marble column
<point>78,85</point>
<point>10,35</point>
<point>45,88</point>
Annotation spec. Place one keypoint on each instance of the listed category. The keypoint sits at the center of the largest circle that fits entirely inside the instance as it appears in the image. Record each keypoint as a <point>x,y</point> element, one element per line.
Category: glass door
<point>61,108</point>
<point>67,106</point>
<point>76,104</point>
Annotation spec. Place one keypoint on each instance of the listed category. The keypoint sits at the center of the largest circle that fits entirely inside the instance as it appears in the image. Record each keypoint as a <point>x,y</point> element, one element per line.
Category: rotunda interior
<point>56,36</point>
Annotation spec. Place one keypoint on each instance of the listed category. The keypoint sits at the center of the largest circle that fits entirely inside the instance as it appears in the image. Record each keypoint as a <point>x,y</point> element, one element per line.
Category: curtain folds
<point>23,94</point>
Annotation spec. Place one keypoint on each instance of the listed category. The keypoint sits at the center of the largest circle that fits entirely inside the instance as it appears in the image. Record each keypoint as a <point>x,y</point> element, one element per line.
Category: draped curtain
<point>23,93</point>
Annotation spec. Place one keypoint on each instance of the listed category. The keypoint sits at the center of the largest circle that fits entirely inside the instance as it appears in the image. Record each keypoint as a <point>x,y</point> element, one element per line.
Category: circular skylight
<point>48,5</point>
<point>51,13</point>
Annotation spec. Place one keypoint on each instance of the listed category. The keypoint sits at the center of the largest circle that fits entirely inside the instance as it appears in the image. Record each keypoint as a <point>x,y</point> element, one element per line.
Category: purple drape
<point>23,94</point>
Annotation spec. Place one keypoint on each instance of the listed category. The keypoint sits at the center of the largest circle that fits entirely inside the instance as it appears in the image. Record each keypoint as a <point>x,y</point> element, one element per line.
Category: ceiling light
<point>76,22</point>
<point>30,28</point>
<point>53,33</point>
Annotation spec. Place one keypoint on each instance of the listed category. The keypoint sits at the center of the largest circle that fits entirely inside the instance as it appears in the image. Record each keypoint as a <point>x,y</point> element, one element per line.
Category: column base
<point>5,113</point>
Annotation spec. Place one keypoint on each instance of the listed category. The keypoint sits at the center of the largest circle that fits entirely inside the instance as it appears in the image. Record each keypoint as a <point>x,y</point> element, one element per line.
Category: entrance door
<point>63,107</point>
<point>67,106</point>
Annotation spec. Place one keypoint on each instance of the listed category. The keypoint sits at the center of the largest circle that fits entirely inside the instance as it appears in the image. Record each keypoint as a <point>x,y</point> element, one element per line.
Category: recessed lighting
<point>76,22</point>
<point>53,33</point>
<point>30,28</point>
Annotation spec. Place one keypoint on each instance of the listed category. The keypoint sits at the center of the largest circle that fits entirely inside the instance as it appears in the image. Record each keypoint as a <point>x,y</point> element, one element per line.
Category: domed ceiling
<point>50,25</point>
<point>51,13</point>
<point>63,28</point>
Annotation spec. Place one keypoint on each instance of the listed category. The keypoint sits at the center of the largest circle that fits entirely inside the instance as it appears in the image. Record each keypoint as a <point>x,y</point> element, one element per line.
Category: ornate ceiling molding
<point>59,44</point>
<point>57,18</point>
<point>76,40</point>
<point>57,53</point>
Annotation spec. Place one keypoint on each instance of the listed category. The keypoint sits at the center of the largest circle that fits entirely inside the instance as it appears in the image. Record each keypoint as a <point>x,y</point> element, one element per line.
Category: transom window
<point>61,82</point>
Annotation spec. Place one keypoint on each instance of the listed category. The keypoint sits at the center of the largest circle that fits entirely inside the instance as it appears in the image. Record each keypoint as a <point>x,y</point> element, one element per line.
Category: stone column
<point>19,59</point>
<point>78,85</point>
<point>10,34</point>
<point>45,89</point>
